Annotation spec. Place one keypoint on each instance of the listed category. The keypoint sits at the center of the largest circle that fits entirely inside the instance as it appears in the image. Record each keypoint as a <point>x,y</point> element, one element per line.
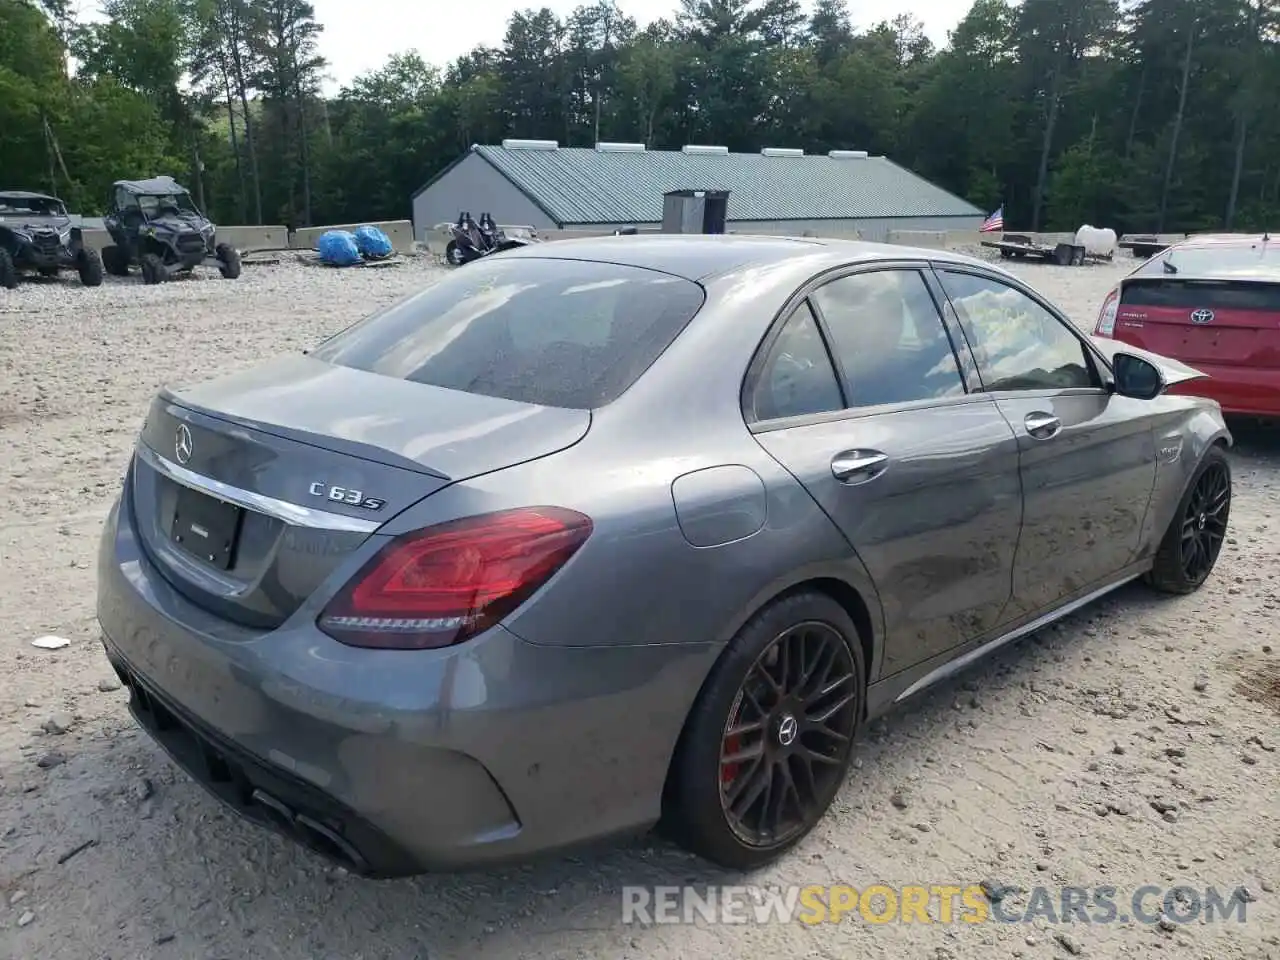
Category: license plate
<point>206,527</point>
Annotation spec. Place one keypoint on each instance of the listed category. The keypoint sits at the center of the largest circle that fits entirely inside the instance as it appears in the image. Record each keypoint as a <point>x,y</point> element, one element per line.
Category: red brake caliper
<point>732,744</point>
<point>729,771</point>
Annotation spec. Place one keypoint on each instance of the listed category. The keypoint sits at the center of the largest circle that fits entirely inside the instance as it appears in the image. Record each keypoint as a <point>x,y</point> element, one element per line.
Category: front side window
<point>561,333</point>
<point>1018,344</point>
<point>888,336</point>
<point>797,378</point>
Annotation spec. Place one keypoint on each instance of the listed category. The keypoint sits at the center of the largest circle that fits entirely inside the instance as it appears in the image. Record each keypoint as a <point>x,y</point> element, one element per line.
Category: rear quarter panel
<point>639,580</point>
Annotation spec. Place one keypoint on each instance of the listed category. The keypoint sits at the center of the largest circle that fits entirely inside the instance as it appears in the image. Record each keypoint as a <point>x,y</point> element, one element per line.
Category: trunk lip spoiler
<point>350,448</point>
<point>292,514</point>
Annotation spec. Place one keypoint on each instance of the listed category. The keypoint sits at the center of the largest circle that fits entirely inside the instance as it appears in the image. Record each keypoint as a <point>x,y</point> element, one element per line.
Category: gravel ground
<point>1134,744</point>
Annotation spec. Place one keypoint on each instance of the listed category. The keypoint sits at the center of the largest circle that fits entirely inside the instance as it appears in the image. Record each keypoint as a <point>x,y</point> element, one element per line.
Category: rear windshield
<point>1258,260</point>
<point>562,333</point>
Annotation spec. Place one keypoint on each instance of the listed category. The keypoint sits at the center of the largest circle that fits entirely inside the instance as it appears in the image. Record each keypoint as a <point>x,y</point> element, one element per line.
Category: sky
<point>361,36</point>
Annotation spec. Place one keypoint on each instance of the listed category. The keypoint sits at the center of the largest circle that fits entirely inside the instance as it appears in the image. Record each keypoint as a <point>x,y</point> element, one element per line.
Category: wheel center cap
<point>788,728</point>
<point>1202,521</point>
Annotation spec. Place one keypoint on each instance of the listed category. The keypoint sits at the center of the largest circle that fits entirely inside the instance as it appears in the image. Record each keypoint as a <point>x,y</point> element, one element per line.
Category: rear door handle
<point>1042,426</point>
<point>858,466</point>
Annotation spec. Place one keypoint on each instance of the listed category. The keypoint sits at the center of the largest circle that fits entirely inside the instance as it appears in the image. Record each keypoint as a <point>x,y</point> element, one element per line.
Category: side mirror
<point>1136,378</point>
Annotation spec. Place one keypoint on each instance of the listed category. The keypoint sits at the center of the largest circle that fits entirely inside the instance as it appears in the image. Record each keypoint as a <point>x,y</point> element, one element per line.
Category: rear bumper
<point>261,792</point>
<point>397,762</point>
<point>1240,391</point>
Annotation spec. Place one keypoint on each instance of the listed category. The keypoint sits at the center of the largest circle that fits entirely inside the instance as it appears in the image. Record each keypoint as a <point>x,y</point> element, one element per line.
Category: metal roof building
<point>541,184</point>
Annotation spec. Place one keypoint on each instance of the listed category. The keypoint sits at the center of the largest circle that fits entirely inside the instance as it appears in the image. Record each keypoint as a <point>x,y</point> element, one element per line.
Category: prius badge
<point>182,444</point>
<point>1202,316</point>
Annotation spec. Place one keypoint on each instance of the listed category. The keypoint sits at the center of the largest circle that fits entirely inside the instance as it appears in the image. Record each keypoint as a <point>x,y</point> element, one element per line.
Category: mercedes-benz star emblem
<point>787,730</point>
<point>1202,316</point>
<point>182,445</point>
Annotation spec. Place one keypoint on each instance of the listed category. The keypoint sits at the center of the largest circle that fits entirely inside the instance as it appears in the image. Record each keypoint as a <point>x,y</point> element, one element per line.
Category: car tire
<point>228,261</point>
<point>1193,541</point>
<point>153,269</point>
<point>89,266</point>
<point>760,695</point>
<point>452,255</point>
<point>115,261</point>
<point>8,272</point>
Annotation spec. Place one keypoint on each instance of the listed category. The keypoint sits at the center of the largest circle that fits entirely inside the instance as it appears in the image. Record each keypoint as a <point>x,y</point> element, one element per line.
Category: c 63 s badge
<point>352,498</point>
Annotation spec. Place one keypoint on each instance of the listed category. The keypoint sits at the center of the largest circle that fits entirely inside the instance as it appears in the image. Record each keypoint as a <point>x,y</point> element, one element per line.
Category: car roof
<point>154,185</point>
<point>26,195</point>
<point>1201,240</point>
<point>702,256</point>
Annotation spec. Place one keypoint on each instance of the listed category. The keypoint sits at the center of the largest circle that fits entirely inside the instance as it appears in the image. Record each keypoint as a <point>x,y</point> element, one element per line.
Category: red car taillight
<point>440,585</point>
<point>1106,324</point>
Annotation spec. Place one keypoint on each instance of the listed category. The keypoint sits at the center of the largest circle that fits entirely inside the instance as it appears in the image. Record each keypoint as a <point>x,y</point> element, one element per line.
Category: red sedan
<point>1212,302</point>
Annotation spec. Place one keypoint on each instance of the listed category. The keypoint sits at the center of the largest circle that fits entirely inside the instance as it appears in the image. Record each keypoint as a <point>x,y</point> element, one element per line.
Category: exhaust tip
<point>330,843</point>
<point>310,833</point>
<point>276,811</point>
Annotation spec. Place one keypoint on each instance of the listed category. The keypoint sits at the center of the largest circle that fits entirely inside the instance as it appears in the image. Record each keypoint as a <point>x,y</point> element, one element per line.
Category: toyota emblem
<point>182,445</point>
<point>1202,316</point>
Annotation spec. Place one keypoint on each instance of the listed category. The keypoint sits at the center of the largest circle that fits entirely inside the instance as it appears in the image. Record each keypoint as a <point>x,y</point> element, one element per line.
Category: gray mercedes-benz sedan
<point>639,530</point>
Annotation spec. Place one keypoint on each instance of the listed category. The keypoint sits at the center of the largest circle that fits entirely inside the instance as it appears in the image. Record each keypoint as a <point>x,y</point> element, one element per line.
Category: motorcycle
<point>472,240</point>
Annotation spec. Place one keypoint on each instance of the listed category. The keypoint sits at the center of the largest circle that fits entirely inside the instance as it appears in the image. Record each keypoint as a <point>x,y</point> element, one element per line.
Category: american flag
<point>994,223</point>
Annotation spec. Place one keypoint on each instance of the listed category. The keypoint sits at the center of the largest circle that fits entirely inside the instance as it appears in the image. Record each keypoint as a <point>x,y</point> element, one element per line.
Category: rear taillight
<point>1107,315</point>
<point>440,585</point>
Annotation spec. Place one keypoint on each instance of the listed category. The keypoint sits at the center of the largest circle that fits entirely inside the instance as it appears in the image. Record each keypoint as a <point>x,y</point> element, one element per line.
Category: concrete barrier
<point>95,239</point>
<point>267,237</point>
<point>929,239</point>
<point>438,236</point>
<point>399,232</point>
<point>242,238</point>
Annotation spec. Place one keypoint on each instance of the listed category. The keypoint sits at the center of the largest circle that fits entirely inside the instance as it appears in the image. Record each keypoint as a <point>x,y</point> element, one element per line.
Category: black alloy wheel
<point>767,743</point>
<point>1193,540</point>
<point>1204,523</point>
<point>784,746</point>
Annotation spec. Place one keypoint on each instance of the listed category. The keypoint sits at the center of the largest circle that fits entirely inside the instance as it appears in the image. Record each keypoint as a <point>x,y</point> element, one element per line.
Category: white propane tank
<point>1096,242</point>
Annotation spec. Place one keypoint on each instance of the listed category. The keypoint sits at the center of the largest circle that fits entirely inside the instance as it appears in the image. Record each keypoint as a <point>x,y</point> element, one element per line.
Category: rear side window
<point>889,338</point>
<point>561,333</point>
<point>797,379</point>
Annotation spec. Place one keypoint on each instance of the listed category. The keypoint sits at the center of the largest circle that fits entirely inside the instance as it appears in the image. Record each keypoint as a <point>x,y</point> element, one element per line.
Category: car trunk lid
<point>1220,322</point>
<point>250,490</point>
